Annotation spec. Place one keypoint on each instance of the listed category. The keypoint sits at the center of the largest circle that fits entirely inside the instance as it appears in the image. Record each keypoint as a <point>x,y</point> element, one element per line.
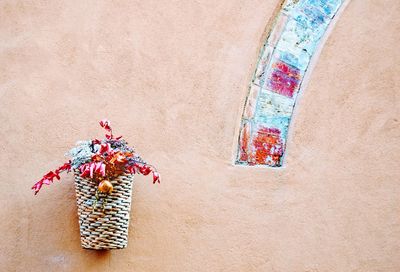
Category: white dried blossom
<point>81,153</point>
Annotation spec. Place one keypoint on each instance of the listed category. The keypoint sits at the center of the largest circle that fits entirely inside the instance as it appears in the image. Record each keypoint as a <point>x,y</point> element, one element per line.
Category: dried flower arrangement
<point>103,172</point>
<point>101,160</point>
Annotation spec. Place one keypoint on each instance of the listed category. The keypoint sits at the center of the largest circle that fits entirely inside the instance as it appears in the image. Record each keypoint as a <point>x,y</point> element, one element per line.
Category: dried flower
<point>49,177</point>
<point>102,160</point>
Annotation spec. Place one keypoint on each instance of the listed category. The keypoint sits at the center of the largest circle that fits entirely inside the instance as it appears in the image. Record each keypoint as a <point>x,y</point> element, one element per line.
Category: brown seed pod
<point>105,186</point>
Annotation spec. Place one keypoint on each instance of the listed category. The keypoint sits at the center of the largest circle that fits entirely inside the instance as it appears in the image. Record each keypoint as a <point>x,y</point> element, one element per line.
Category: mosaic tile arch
<point>284,61</point>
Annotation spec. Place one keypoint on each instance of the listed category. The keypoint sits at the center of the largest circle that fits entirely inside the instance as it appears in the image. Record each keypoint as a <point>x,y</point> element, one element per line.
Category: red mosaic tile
<point>284,79</point>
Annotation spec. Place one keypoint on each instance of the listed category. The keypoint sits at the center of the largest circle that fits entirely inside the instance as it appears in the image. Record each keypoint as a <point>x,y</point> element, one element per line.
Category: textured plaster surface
<point>173,76</point>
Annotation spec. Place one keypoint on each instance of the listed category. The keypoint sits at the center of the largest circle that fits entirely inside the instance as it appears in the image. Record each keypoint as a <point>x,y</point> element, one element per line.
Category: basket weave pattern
<point>105,225</point>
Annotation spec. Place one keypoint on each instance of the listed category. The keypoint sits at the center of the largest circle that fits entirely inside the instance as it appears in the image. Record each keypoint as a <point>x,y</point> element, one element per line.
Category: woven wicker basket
<point>104,224</point>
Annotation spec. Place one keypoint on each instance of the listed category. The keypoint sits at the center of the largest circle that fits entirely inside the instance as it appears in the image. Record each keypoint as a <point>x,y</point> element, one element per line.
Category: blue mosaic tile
<point>329,7</point>
<point>273,104</point>
<point>281,123</point>
<point>316,16</point>
<point>296,38</point>
<point>308,25</point>
<point>300,60</point>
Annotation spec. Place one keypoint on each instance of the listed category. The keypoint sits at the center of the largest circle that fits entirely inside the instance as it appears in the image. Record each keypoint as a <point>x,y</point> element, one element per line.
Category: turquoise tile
<point>272,104</point>
<point>297,37</point>
<point>329,7</point>
<point>300,60</point>
<point>281,123</point>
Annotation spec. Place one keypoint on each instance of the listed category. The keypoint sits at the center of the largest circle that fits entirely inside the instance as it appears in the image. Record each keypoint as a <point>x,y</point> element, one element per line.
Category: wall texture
<point>172,76</point>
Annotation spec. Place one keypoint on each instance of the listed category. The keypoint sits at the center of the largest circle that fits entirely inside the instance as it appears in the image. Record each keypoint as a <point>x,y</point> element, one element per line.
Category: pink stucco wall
<point>172,76</point>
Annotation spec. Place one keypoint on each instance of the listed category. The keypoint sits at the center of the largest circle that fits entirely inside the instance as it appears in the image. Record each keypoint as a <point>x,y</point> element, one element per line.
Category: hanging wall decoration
<point>103,172</point>
<point>296,34</point>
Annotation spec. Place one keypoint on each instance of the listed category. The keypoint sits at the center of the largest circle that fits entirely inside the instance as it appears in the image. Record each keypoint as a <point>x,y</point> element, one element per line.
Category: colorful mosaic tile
<point>328,7</point>
<point>300,36</point>
<point>267,145</point>
<point>283,79</point>
<point>282,65</point>
<point>273,104</point>
<point>300,60</point>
